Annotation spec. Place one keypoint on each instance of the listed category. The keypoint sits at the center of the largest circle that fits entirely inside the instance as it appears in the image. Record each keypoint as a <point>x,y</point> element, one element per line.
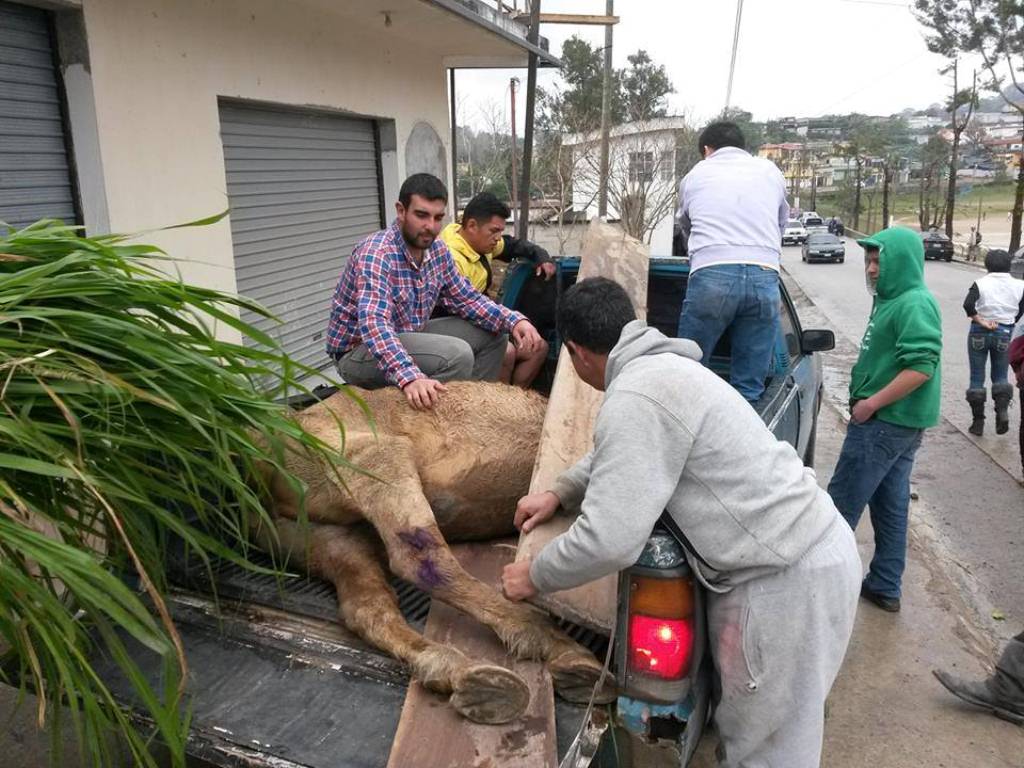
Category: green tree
<point>961,105</point>
<point>890,144</point>
<point>855,149</point>
<point>994,31</point>
<point>644,88</point>
<point>638,92</point>
<point>933,158</point>
<point>576,107</point>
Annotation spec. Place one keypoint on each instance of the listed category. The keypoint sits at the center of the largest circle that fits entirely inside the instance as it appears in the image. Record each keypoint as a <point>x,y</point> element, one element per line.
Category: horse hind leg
<point>350,557</point>
<point>416,551</point>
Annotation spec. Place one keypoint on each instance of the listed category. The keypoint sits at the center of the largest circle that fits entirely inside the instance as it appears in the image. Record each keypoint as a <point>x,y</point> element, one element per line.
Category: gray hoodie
<point>671,435</point>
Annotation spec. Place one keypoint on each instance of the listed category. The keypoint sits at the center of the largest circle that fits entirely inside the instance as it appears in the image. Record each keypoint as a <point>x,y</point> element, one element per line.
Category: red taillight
<point>660,647</point>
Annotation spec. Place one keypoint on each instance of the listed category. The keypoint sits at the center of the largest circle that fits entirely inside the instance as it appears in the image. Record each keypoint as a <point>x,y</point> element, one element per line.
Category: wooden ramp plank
<point>431,732</point>
<point>568,424</point>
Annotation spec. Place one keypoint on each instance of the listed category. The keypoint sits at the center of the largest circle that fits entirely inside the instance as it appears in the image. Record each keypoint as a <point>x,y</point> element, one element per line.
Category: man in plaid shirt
<point>380,331</point>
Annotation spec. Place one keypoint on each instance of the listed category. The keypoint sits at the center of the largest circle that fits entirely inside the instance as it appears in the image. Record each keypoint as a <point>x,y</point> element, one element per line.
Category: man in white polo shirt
<point>732,209</point>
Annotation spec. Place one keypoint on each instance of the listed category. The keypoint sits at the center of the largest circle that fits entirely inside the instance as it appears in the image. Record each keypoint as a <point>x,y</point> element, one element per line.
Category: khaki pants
<point>447,349</point>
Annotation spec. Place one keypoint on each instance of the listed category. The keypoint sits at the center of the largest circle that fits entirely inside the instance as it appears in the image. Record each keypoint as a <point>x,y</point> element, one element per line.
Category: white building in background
<point>642,175</point>
<point>301,117</point>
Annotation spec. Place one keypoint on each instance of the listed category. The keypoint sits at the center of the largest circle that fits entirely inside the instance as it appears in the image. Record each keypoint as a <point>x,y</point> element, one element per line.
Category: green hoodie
<point>903,333</point>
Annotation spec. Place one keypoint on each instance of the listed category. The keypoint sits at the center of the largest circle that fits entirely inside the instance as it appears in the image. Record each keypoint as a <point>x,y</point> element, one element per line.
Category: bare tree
<point>485,154</point>
<point>643,174</point>
<point>556,165</point>
<point>960,99</point>
<point>975,136</point>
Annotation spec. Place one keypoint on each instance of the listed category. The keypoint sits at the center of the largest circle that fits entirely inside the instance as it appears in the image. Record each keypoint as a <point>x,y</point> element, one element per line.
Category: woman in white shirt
<point>994,304</point>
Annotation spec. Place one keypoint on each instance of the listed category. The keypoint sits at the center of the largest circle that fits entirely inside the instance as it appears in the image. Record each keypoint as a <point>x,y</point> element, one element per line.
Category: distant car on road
<point>815,224</point>
<point>823,246</point>
<point>937,245</point>
<point>794,233</point>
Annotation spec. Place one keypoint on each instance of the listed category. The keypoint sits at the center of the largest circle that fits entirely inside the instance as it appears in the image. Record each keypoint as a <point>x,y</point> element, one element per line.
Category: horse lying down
<point>451,474</point>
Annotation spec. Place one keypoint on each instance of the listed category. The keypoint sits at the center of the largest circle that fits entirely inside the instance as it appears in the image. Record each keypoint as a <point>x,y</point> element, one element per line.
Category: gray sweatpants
<point>778,642</point>
<point>447,349</point>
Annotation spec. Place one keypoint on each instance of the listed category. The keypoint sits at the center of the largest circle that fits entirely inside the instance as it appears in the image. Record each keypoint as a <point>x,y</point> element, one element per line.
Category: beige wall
<point>158,67</point>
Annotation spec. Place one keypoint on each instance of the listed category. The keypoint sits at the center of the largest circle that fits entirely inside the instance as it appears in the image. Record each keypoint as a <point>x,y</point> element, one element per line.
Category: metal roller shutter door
<point>35,179</point>
<point>303,189</point>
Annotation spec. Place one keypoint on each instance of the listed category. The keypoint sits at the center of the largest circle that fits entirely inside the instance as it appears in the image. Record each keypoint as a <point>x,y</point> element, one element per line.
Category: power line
<point>874,80</point>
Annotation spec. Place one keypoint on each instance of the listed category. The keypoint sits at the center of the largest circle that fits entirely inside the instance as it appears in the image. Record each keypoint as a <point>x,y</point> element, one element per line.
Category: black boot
<point>1001,396</point>
<point>976,399</point>
<point>1003,693</point>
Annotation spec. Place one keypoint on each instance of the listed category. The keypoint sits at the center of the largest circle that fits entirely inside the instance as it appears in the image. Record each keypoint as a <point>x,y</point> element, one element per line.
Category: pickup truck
<point>277,681</point>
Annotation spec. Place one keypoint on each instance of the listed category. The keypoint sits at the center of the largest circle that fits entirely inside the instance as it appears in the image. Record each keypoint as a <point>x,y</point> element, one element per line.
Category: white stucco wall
<point>158,67</point>
<point>585,180</point>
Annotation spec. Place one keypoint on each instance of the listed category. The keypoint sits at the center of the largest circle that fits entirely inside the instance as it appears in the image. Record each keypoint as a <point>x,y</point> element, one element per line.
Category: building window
<point>641,167</point>
<point>668,165</point>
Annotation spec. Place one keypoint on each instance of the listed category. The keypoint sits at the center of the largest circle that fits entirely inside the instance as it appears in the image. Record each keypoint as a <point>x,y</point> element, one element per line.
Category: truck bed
<point>275,680</point>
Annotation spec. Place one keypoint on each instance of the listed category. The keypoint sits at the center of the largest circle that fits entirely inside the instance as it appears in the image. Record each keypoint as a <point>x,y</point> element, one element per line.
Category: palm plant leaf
<point>124,421</point>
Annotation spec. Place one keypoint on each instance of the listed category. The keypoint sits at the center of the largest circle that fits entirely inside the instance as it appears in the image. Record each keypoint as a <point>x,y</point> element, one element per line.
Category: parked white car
<point>794,233</point>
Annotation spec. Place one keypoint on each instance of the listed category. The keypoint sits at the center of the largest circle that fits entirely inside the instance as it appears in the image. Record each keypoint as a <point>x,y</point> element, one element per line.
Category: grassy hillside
<point>996,200</point>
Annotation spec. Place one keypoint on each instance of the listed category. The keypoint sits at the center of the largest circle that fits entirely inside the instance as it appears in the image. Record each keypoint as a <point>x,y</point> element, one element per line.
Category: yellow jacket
<point>476,267</point>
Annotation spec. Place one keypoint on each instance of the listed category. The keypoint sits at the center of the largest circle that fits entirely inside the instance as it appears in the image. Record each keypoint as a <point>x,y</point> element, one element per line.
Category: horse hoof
<point>575,674</point>
<point>489,694</point>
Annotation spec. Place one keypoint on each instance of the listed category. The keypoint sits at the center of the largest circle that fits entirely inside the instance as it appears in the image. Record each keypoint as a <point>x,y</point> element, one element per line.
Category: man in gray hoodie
<point>780,565</point>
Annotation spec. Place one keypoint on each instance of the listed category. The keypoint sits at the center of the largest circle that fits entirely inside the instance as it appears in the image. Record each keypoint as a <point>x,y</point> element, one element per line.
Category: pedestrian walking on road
<point>1002,693</point>
<point>732,211</point>
<point>974,244</point>
<point>895,391</point>
<point>780,565</point>
<point>994,304</point>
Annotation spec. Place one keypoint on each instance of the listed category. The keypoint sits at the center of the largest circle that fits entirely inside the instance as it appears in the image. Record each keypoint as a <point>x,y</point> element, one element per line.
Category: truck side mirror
<point>817,341</point>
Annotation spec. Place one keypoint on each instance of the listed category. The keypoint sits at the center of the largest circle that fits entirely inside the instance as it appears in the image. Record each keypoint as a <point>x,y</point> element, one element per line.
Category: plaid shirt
<point>382,293</point>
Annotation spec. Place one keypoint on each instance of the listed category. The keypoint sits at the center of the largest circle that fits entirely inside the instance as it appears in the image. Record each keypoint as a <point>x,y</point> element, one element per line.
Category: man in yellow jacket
<point>473,244</point>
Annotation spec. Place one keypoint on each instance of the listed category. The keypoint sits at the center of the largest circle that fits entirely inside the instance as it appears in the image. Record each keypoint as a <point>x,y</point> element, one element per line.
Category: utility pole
<point>455,145</point>
<point>606,109</point>
<point>522,230</point>
<point>512,87</point>
<point>735,47</point>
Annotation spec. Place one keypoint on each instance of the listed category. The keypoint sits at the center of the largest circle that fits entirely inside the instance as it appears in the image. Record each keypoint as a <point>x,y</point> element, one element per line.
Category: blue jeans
<point>982,345</point>
<point>744,300</point>
<point>874,470</point>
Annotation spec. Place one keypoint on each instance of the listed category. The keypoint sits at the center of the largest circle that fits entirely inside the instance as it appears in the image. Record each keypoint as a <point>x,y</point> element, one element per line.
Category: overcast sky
<point>796,57</point>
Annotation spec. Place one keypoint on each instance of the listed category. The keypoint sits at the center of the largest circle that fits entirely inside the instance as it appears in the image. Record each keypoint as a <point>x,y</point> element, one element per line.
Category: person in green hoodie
<point>895,389</point>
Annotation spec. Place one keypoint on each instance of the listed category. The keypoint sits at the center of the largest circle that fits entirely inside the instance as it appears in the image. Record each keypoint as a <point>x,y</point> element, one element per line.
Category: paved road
<point>838,289</point>
<point>969,493</point>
